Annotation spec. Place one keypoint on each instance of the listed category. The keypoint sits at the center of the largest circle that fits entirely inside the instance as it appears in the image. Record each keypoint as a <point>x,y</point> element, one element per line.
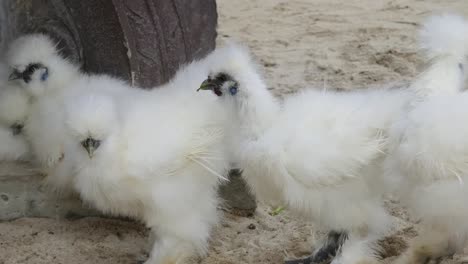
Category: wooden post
<point>143,41</point>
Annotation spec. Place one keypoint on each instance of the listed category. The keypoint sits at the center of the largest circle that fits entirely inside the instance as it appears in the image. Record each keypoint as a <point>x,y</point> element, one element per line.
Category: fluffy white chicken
<point>44,75</point>
<point>49,79</point>
<point>428,166</point>
<point>319,152</point>
<point>14,109</point>
<point>157,158</point>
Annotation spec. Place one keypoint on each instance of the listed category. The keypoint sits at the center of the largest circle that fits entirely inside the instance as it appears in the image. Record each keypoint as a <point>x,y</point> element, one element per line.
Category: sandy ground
<point>341,44</point>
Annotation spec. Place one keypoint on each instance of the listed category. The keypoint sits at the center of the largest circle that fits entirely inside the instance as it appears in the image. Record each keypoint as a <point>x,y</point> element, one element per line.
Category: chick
<point>320,153</point>
<point>44,75</point>
<point>49,79</point>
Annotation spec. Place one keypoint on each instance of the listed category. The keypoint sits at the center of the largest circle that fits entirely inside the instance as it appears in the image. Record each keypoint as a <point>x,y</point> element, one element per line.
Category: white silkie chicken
<point>14,109</point>
<point>428,166</point>
<point>319,153</point>
<point>44,75</point>
<point>157,158</point>
<point>47,77</point>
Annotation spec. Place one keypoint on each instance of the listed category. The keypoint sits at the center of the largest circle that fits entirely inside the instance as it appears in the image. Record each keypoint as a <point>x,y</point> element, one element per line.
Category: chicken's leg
<point>327,251</point>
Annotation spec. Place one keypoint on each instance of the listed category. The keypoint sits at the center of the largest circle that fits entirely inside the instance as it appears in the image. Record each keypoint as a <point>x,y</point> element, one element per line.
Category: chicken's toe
<point>307,260</point>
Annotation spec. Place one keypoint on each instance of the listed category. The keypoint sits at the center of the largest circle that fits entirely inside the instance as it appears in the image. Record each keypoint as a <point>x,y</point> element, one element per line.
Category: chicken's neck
<point>255,110</point>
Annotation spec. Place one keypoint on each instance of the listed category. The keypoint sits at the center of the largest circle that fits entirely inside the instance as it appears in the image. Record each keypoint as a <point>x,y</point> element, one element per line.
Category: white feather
<point>444,35</point>
<point>45,127</point>
<point>14,110</point>
<point>160,160</point>
<point>356,250</point>
<point>318,152</point>
<point>161,156</point>
<point>445,41</point>
<point>428,163</point>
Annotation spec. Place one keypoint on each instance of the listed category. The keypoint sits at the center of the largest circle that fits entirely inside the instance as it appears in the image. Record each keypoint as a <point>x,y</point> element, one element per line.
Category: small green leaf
<point>277,211</point>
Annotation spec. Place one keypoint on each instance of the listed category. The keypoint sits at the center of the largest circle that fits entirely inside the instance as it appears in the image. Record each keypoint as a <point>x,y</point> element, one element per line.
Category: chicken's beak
<point>15,75</point>
<point>90,144</point>
<point>207,85</point>
<point>17,129</point>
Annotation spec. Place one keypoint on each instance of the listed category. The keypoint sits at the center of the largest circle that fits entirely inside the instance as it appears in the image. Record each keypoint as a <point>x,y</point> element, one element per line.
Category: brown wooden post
<point>143,41</point>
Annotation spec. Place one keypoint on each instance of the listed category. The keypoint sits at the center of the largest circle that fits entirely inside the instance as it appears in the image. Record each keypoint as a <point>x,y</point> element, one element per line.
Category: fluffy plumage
<point>47,85</point>
<point>28,50</point>
<point>49,79</point>
<point>443,40</point>
<point>157,157</point>
<point>14,110</point>
<point>444,35</point>
<point>318,152</point>
<point>428,165</point>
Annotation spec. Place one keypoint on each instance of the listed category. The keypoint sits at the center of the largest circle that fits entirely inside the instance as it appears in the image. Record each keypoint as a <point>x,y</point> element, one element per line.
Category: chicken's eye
<point>233,90</point>
<point>45,75</point>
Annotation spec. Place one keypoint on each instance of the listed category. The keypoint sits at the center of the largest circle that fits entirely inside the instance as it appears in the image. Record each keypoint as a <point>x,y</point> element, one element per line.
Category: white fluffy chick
<point>319,153</point>
<point>49,79</point>
<point>14,109</point>
<point>157,158</point>
<point>44,75</point>
<point>428,165</point>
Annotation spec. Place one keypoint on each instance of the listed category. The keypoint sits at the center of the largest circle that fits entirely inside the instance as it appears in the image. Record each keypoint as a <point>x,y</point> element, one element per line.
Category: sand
<point>342,44</point>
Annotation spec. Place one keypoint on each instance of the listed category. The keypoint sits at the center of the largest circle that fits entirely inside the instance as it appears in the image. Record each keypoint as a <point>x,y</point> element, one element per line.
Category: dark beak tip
<point>90,152</point>
<point>13,77</point>
<point>91,145</point>
<point>206,86</point>
<point>17,129</point>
